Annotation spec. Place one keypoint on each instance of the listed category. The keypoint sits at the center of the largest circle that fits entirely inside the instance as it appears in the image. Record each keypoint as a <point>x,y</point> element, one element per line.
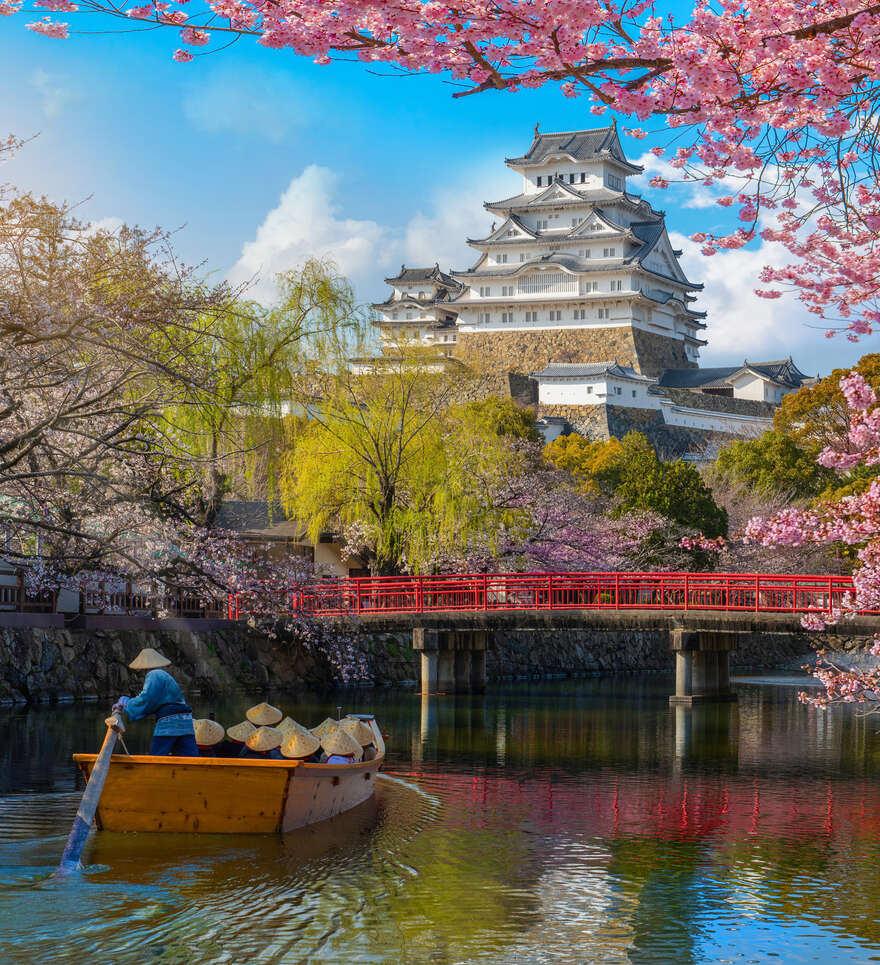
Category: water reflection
<point>564,822</point>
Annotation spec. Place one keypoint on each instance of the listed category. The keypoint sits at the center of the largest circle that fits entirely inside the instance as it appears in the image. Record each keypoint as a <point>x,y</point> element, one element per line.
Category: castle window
<point>539,180</point>
<point>583,178</point>
<point>531,316</point>
<point>618,390</point>
<point>542,225</point>
<point>571,179</point>
<point>613,181</point>
<point>484,317</point>
<point>507,316</point>
<point>589,390</point>
<point>634,393</point>
<point>603,313</point>
<point>609,252</point>
<point>506,290</point>
<point>547,283</point>
<point>555,316</point>
<point>522,256</point>
<point>574,221</point>
<point>501,259</point>
<point>485,292</point>
<point>580,314</point>
<point>410,316</point>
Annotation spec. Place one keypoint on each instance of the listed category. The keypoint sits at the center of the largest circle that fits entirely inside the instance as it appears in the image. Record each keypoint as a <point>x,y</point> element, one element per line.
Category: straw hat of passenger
<point>208,732</point>
<point>327,726</point>
<point>264,715</point>
<point>265,739</point>
<point>358,730</point>
<point>300,744</point>
<point>240,732</point>
<point>149,659</point>
<point>340,742</point>
<point>289,726</point>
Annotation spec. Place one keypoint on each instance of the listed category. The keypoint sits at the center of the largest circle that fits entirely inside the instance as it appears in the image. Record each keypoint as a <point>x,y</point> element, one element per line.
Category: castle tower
<point>576,269</point>
<point>417,312</point>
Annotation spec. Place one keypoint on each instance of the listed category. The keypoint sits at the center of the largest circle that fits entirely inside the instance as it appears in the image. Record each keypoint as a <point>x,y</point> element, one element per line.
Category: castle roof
<point>783,373</point>
<point>577,370</point>
<point>410,276</point>
<point>575,145</point>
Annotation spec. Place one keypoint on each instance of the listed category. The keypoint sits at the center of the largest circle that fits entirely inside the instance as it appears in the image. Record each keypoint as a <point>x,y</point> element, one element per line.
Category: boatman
<point>162,697</point>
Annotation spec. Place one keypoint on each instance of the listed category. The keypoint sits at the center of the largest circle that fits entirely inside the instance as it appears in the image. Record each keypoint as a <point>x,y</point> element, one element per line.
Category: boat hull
<point>217,795</point>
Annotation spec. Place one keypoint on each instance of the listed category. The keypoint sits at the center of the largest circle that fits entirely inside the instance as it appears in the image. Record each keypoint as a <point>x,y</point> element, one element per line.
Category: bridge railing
<point>756,593</point>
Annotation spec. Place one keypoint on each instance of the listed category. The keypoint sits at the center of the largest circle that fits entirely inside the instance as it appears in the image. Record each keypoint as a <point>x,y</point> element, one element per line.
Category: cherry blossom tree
<point>773,101</point>
<point>853,520</point>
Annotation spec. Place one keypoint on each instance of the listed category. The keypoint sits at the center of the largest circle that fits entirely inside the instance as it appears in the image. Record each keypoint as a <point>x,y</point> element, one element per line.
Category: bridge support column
<point>452,661</point>
<point>702,666</point>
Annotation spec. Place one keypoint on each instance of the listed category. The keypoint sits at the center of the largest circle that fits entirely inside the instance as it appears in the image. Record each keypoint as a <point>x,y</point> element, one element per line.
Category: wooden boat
<point>228,795</point>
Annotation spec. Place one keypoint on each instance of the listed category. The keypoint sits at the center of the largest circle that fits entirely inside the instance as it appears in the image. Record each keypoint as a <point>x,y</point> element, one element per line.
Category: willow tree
<point>394,457</point>
<point>228,426</point>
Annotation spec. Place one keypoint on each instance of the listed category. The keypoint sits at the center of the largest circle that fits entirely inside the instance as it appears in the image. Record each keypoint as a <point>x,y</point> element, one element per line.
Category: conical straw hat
<point>264,715</point>
<point>240,732</point>
<point>300,745</point>
<point>358,730</point>
<point>340,742</point>
<point>208,732</point>
<point>149,659</point>
<point>264,739</point>
<point>325,727</point>
<point>289,726</point>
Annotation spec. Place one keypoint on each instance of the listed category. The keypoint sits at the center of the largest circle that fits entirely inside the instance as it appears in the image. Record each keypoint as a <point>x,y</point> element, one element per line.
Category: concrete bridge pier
<point>452,661</point>
<point>702,666</point>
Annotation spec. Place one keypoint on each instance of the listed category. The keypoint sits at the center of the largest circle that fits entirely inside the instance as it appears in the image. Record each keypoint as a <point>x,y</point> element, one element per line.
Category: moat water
<point>567,821</point>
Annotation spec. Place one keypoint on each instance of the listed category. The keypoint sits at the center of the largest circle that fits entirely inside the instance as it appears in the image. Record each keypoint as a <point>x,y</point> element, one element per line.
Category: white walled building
<point>417,311</point>
<point>574,251</point>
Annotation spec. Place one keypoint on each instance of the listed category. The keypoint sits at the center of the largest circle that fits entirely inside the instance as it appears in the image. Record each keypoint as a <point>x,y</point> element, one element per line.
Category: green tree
<point>600,467</point>
<point>674,490</point>
<point>392,457</point>
<point>773,465</point>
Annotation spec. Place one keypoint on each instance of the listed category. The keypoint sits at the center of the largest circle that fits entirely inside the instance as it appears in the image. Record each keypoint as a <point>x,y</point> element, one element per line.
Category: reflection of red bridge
<point>728,592</point>
<point>658,806</point>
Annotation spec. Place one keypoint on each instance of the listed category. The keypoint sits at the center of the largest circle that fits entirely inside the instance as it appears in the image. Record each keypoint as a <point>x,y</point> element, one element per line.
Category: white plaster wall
<point>751,387</point>
<point>748,427</point>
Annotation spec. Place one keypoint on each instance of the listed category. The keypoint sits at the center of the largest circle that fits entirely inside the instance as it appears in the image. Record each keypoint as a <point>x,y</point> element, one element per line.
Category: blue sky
<point>261,158</point>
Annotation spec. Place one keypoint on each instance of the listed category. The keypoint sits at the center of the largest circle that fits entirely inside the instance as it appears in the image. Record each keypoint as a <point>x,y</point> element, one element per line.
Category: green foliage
<point>501,416</point>
<point>600,467</point>
<point>674,490</point>
<point>782,462</point>
<point>394,459</point>
<point>774,465</point>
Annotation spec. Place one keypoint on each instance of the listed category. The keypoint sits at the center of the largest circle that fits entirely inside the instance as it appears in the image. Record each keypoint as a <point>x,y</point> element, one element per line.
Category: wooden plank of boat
<point>219,795</point>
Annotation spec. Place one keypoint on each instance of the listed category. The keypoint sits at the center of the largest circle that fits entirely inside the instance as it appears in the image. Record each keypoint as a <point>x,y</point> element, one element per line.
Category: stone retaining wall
<point>51,663</point>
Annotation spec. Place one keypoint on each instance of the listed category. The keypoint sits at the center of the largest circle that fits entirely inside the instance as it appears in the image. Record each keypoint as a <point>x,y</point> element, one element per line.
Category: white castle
<point>578,289</point>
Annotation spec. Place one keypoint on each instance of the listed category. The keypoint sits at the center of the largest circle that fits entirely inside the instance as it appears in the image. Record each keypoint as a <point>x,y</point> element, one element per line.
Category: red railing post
<point>420,594</point>
<point>549,591</point>
<point>485,592</point>
<point>830,593</point>
<point>616,591</point>
<point>357,595</point>
<point>686,590</point>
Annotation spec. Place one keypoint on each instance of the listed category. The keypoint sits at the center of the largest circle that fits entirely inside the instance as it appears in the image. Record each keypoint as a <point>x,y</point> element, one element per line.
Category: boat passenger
<point>304,747</point>
<point>235,739</point>
<point>362,734</point>
<point>161,697</point>
<point>325,727</point>
<point>263,745</point>
<point>209,734</point>
<point>264,715</point>
<point>341,748</point>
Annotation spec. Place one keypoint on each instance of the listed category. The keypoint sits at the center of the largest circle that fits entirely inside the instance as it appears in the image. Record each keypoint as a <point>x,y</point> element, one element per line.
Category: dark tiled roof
<point>580,145</point>
<point>784,371</point>
<point>256,518</point>
<point>428,275</point>
<point>578,370</point>
<point>694,378</point>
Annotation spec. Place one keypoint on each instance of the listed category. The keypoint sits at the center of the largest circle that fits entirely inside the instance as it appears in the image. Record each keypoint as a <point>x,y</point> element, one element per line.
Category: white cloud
<point>247,101</point>
<point>56,94</point>
<point>742,325</point>
<point>306,223</point>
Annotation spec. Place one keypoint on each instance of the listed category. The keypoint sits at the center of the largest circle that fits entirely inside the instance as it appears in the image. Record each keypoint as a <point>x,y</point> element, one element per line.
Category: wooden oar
<point>89,804</point>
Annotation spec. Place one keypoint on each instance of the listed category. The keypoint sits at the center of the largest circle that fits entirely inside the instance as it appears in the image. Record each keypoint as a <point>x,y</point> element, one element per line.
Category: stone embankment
<point>52,663</point>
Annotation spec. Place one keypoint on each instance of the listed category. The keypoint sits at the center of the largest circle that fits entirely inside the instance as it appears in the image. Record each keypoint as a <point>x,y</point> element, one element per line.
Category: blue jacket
<point>162,693</point>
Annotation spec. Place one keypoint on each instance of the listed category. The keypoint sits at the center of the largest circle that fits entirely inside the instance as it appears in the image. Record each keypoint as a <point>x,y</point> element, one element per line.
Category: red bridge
<point>453,618</point>
<point>729,592</point>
